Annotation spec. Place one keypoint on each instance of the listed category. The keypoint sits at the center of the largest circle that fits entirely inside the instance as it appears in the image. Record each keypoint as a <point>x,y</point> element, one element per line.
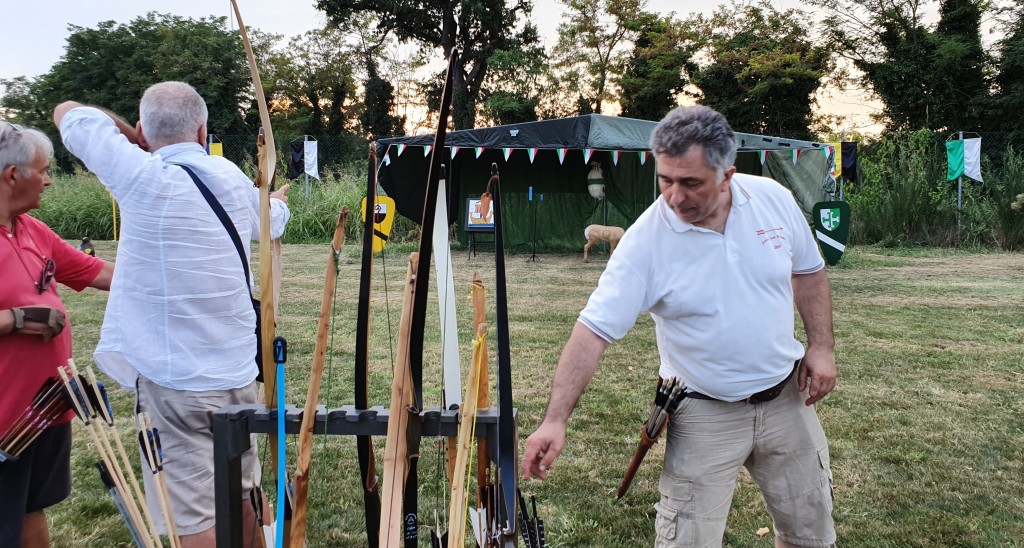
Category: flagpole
<point>305,174</point>
<point>959,198</point>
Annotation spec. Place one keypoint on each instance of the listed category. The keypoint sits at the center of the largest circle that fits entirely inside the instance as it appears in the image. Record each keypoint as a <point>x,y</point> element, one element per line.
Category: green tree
<point>592,43</point>
<point>379,100</point>
<point>314,84</point>
<point>113,64</point>
<point>1008,101</point>
<point>478,28</point>
<point>960,86</point>
<point>658,68</point>
<point>763,70</point>
<point>511,93</point>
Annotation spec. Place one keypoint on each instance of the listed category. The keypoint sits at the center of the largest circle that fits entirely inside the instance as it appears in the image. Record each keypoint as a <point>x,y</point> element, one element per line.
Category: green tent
<point>544,167</point>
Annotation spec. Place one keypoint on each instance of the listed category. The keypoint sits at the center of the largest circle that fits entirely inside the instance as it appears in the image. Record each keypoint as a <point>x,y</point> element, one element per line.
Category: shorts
<point>40,478</point>
<point>782,445</point>
<point>182,419</point>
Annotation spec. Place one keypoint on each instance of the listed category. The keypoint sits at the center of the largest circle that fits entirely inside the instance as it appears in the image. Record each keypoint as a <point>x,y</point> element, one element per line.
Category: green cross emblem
<point>830,218</point>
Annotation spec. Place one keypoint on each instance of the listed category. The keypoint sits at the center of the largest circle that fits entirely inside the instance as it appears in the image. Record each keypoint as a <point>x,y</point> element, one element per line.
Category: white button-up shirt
<point>179,311</point>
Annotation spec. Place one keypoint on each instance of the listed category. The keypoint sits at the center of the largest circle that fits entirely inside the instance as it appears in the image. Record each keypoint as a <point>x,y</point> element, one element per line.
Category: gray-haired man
<point>718,261</point>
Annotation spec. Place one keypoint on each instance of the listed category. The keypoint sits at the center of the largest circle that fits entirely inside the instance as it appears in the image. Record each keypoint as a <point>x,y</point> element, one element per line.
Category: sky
<point>35,34</point>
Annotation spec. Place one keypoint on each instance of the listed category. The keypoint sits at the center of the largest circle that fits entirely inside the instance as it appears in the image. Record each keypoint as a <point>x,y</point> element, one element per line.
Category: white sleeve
<point>94,138</point>
<point>622,292</point>
<point>279,216</point>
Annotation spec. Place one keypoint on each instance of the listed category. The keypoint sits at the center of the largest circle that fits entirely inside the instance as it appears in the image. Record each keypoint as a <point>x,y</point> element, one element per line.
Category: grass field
<point>925,427</point>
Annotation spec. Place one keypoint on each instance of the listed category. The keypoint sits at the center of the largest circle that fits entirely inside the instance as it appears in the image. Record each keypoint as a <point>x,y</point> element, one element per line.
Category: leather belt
<point>763,396</point>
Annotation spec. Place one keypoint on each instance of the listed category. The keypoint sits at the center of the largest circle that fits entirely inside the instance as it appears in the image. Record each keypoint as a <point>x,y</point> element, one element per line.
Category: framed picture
<point>480,214</point>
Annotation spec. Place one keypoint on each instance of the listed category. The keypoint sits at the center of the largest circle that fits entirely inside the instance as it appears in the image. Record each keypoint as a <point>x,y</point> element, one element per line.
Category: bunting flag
<point>533,153</point>
<point>643,157</point>
<point>763,155</point>
<point>507,151</point>
<point>615,157</point>
<point>479,151</point>
<point>587,152</point>
<point>561,155</point>
<point>455,150</point>
<point>796,155</point>
<point>401,148</point>
<point>426,150</point>
<point>387,158</point>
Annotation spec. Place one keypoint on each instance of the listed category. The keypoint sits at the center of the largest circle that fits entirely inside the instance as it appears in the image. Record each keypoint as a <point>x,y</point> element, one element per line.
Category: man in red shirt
<point>32,258</point>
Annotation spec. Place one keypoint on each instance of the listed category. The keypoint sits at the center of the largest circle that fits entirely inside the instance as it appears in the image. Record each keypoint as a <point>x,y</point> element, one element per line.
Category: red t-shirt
<point>26,361</point>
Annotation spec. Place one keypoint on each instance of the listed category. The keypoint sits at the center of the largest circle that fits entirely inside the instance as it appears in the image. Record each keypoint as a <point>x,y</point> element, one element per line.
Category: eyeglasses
<point>46,276</point>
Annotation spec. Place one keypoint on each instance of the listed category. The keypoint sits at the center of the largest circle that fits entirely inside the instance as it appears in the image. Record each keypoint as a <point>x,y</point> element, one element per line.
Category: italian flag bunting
<point>478,150</point>
<point>796,155</point>
<point>587,152</point>
<point>401,148</point>
<point>507,152</point>
<point>763,155</point>
<point>561,155</point>
<point>533,153</point>
<point>615,157</point>
<point>455,150</point>
<point>426,150</point>
<point>387,159</point>
<point>643,157</point>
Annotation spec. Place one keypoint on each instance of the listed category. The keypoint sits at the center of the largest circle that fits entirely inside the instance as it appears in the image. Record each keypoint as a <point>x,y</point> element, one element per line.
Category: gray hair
<point>19,146</point>
<point>171,112</point>
<point>696,125</point>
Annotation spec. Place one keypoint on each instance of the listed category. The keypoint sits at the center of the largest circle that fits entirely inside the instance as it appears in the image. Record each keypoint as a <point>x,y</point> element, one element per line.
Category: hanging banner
<point>311,163</point>
<point>831,229</point>
<point>954,159</point>
<point>837,149</point>
<point>217,149</point>
<point>849,155</point>
<point>296,159</point>
<point>972,158</point>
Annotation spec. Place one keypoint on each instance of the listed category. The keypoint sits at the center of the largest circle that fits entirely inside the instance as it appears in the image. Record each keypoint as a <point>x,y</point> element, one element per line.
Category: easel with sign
<point>479,220</point>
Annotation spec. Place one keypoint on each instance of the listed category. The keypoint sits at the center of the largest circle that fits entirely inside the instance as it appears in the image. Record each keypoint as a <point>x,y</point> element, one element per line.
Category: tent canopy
<point>550,158</point>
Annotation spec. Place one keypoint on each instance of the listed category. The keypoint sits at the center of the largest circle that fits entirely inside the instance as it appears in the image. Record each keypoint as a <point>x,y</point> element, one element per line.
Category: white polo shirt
<point>722,303</point>
<point>179,310</point>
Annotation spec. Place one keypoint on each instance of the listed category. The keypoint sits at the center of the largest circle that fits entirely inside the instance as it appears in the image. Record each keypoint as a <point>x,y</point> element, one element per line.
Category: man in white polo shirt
<point>718,261</point>
<point>179,325</point>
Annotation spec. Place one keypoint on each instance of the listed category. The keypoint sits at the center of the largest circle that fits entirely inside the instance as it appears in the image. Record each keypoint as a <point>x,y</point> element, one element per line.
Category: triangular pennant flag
<point>615,157</point>
<point>533,153</point>
<point>455,150</point>
<point>401,148</point>
<point>426,149</point>
<point>387,159</point>
<point>478,150</point>
<point>586,154</point>
<point>561,155</point>
<point>507,151</point>
<point>763,155</point>
<point>643,157</point>
<point>796,155</point>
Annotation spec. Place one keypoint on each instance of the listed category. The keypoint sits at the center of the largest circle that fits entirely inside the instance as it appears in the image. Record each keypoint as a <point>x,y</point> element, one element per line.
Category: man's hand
<point>817,373</point>
<point>43,320</point>
<point>280,194</point>
<point>542,448</point>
